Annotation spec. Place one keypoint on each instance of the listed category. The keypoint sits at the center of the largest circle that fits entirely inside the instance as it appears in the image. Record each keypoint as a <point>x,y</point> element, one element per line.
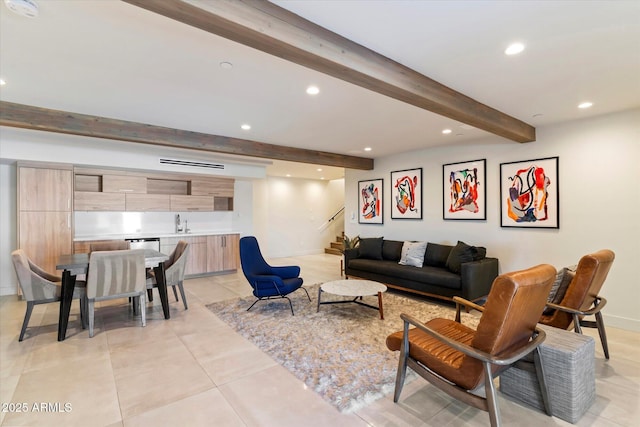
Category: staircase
<point>337,247</point>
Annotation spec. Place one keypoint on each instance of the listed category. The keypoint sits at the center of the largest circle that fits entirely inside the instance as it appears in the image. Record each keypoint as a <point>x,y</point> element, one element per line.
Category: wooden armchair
<point>458,359</point>
<point>581,297</point>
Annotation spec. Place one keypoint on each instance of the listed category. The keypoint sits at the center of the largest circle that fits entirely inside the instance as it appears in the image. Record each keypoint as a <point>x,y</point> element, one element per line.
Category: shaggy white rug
<point>339,352</point>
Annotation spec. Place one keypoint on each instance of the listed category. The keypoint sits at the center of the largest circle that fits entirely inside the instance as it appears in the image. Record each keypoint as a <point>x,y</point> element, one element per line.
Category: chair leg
<point>27,316</point>
<point>603,334</point>
<point>184,299</point>
<point>90,310</point>
<point>143,309</point>
<point>150,295</point>
<point>542,380</point>
<point>175,293</point>
<point>136,304</point>
<point>492,400</point>
<point>83,312</point>
<point>306,292</point>
<point>291,305</point>
<point>402,363</point>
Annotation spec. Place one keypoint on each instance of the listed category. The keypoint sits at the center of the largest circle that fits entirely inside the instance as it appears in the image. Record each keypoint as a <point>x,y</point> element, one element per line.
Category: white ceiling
<point>112,59</point>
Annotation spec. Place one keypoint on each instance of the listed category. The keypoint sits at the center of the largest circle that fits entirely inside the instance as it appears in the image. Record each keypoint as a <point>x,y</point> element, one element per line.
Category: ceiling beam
<point>43,119</point>
<point>272,29</point>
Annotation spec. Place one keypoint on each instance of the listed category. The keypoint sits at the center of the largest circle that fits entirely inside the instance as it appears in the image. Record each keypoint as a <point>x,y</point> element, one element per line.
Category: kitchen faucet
<point>178,224</point>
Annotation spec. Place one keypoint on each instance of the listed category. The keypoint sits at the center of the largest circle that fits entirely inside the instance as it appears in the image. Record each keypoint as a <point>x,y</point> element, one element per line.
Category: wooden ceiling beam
<point>272,29</point>
<point>43,119</point>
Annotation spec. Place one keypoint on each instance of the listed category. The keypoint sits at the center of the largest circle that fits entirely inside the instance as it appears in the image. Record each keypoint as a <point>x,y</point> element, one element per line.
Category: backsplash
<point>97,223</point>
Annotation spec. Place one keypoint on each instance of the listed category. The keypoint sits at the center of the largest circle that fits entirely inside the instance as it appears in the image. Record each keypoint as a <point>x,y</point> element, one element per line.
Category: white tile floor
<point>194,370</point>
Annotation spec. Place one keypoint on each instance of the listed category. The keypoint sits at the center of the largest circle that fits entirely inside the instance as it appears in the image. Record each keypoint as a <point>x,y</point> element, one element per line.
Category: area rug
<point>340,351</point>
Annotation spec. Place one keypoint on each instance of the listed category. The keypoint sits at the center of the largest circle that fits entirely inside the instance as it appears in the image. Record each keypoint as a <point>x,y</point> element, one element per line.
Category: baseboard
<point>8,290</point>
<point>621,322</point>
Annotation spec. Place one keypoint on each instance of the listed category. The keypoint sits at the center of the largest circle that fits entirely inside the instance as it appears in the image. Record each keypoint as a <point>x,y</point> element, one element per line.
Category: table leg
<point>380,305</point>
<point>66,297</point>
<point>319,294</point>
<point>161,281</point>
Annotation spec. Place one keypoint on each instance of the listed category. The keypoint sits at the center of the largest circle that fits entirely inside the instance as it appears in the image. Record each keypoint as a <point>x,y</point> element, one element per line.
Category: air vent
<point>191,163</point>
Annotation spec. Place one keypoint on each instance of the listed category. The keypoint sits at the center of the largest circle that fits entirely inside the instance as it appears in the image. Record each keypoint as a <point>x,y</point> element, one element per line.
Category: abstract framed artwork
<point>464,190</point>
<point>529,194</point>
<point>370,201</point>
<point>406,194</point>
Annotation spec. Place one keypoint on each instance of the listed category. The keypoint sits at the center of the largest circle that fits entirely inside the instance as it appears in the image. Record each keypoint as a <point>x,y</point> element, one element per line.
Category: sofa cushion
<point>413,253</point>
<point>391,249</point>
<point>370,248</point>
<point>436,255</point>
<point>392,270</point>
<point>459,254</point>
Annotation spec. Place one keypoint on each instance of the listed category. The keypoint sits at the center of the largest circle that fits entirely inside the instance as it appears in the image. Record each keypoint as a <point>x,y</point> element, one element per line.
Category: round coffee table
<point>353,288</point>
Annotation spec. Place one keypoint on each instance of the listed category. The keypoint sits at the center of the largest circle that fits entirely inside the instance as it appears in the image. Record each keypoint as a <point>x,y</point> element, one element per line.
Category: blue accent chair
<point>267,282</point>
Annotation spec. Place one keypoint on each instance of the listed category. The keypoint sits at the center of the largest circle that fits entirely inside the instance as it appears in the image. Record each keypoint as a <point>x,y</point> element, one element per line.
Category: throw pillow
<point>370,248</point>
<point>459,254</point>
<point>559,287</point>
<point>437,255</point>
<point>391,250</point>
<point>413,253</point>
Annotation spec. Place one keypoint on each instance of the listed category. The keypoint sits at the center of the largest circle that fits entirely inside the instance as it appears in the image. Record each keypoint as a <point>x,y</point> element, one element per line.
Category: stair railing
<point>332,218</point>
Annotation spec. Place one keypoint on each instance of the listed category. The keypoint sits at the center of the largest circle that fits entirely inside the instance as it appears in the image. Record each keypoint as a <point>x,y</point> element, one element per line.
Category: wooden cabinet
<point>147,202</point>
<point>44,212</point>
<point>191,203</point>
<point>105,190</point>
<point>223,252</point>
<point>124,184</point>
<point>207,254</point>
<point>196,256</point>
<point>94,201</point>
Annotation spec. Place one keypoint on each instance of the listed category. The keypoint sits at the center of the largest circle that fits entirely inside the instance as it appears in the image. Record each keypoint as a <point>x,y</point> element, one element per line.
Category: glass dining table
<point>74,264</point>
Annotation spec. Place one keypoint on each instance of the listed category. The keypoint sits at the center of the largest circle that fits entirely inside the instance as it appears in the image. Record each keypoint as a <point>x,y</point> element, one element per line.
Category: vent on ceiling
<point>191,163</point>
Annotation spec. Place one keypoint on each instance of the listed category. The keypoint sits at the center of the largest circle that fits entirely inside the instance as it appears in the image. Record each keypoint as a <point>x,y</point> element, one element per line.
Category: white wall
<point>599,160</point>
<point>290,215</point>
<point>8,236</point>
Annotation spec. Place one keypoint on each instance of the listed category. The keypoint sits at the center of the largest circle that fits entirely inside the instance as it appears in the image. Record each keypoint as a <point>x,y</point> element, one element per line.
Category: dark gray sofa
<point>447,271</point>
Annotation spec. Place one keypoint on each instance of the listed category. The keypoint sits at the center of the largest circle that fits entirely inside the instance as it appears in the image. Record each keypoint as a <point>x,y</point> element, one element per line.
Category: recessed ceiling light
<point>226,65</point>
<point>514,49</point>
<point>584,105</point>
<point>319,169</point>
<point>246,126</point>
<point>26,8</point>
<point>446,131</point>
<point>313,90</point>
<point>367,148</point>
<point>2,82</point>
<point>288,175</point>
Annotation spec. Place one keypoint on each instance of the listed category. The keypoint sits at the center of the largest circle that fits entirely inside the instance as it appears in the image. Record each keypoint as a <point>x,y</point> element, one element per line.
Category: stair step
<point>332,251</point>
<point>336,245</point>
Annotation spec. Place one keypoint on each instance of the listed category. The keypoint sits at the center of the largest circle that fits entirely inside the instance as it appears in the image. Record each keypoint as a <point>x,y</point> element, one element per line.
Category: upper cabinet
<point>41,189</point>
<point>117,190</point>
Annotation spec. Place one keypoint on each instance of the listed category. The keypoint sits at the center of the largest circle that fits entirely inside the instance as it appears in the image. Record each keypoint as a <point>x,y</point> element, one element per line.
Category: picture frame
<point>464,190</point>
<point>406,194</point>
<point>529,193</point>
<point>370,201</point>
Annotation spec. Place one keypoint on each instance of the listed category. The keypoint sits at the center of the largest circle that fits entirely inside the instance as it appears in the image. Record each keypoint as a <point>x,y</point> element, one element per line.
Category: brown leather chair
<point>458,359</point>
<point>581,297</point>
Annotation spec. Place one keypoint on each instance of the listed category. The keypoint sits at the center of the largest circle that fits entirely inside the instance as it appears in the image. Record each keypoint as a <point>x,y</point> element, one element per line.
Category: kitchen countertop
<point>86,237</point>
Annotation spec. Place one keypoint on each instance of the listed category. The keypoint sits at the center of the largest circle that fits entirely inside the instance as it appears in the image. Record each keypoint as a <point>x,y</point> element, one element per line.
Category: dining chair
<point>174,272</point>
<point>116,274</point>
<point>40,287</point>
<point>459,360</point>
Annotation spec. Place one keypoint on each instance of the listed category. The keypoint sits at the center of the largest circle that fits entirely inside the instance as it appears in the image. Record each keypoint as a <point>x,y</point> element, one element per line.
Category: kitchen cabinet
<point>147,202</point>
<point>124,184</point>
<point>98,201</point>
<point>223,252</point>
<point>196,255</point>
<point>191,203</point>
<point>207,254</point>
<point>44,199</point>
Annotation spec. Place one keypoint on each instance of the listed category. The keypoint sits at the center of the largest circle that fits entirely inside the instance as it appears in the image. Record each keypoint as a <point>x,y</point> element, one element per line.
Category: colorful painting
<point>406,194</point>
<point>529,193</point>
<point>464,190</point>
<point>370,201</point>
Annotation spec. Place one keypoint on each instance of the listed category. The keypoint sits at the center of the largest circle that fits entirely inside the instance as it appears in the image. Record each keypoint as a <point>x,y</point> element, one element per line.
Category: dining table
<point>78,263</point>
